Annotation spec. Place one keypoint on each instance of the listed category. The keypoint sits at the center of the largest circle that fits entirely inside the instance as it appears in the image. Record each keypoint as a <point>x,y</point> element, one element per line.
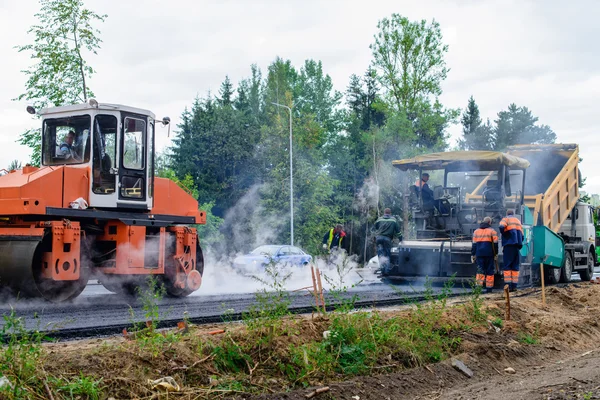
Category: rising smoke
<point>250,227</point>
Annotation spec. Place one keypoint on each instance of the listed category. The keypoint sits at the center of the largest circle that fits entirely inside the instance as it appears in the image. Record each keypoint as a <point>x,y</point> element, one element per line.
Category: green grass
<point>21,363</point>
<point>79,387</point>
<point>527,338</point>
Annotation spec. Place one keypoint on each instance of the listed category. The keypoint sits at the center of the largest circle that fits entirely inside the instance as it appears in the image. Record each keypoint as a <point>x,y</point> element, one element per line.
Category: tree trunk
<point>80,59</point>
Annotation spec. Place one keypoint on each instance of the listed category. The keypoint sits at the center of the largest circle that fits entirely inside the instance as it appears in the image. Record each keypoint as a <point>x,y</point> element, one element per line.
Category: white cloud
<point>159,56</point>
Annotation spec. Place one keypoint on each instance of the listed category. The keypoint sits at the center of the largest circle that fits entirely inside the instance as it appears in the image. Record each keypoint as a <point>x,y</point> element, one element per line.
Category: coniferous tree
<point>476,136</point>
<point>517,125</point>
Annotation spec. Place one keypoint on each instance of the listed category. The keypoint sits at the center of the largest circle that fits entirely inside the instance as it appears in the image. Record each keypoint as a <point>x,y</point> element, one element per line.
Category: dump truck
<point>540,183</point>
<point>95,209</point>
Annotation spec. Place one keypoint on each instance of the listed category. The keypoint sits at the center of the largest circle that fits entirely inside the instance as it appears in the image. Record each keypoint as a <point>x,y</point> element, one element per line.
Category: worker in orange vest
<point>512,242</point>
<point>484,251</point>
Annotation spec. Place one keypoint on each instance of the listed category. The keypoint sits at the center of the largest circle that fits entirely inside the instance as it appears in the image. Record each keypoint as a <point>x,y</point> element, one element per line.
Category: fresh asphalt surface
<point>97,307</point>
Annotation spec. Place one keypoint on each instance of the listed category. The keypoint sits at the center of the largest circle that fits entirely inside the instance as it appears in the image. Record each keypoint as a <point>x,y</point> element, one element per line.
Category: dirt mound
<point>274,358</point>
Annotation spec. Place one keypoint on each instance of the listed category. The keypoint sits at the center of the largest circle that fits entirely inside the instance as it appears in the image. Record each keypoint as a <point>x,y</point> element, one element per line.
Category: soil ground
<point>552,349</point>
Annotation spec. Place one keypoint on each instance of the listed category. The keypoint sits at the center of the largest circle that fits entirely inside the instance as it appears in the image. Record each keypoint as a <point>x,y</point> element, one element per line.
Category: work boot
<point>488,290</point>
<point>513,287</point>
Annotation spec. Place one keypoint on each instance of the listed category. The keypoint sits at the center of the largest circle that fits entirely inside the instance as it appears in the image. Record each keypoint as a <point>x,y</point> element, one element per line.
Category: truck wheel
<point>567,270</point>
<point>552,275</point>
<point>588,273</point>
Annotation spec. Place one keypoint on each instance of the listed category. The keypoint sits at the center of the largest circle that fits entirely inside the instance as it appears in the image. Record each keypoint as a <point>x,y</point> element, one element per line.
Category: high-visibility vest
<point>485,235</point>
<point>331,234</point>
<point>510,223</point>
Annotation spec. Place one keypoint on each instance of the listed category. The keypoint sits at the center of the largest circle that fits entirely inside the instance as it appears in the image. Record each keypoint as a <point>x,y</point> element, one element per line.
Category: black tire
<point>588,273</point>
<point>567,270</point>
<point>552,275</point>
<point>57,291</point>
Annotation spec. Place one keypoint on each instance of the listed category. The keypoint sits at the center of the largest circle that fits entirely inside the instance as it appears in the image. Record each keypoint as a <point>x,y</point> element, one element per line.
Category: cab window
<point>66,140</point>
<point>133,143</point>
<point>105,153</point>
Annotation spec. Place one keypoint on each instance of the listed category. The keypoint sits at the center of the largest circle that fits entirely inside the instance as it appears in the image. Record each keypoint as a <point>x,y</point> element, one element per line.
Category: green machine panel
<point>548,247</point>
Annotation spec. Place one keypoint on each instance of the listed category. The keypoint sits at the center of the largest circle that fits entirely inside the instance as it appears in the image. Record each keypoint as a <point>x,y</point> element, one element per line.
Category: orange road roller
<point>95,209</point>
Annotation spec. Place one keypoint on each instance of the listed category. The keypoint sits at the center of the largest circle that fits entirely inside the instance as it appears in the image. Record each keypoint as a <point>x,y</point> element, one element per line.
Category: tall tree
<point>476,136</point>
<point>226,92</point>
<point>58,76</point>
<point>410,57</point>
<point>517,125</point>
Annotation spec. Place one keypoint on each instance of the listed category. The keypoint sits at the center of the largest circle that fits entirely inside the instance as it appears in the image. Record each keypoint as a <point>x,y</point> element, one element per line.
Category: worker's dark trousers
<point>384,247</point>
<point>485,272</point>
<point>512,262</point>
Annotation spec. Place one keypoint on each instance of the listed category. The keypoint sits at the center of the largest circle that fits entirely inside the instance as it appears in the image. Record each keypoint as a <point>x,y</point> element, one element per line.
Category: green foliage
<point>355,343</point>
<point>497,322</point>
<point>80,386</point>
<point>64,32</point>
<point>209,232</point>
<point>32,138</point>
<point>146,334</point>
<point>517,125</point>
<point>20,356</point>
<point>150,295</point>
<point>14,165</point>
<point>528,338</point>
<point>186,183</point>
<point>236,144</point>
<point>271,303</point>
<point>229,356</point>
<point>474,307</point>
<point>476,135</point>
<point>409,57</point>
<point>338,287</point>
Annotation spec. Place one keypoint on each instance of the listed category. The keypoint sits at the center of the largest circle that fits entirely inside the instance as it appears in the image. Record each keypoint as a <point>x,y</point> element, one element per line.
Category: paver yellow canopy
<point>462,161</point>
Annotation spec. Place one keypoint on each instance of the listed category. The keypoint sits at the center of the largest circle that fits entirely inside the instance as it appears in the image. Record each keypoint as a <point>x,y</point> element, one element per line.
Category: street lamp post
<point>291,178</point>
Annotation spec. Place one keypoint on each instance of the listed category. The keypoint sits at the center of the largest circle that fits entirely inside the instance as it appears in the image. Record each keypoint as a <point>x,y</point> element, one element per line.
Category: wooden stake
<point>506,293</point>
<point>315,288</point>
<point>543,284</point>
<point>320,289</point>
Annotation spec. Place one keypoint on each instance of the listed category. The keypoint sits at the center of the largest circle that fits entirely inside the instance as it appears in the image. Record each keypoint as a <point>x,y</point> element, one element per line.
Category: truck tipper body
<point>540,183</point>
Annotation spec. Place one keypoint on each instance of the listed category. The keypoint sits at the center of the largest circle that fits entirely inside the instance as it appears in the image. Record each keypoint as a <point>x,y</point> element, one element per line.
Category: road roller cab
<point>115,143</point>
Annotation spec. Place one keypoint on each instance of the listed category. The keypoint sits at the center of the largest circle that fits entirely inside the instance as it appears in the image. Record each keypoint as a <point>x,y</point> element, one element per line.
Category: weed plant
<point>20,357</point>
<point>78,387</point>
<point>358,342</point>
<point>21,367</point>
<point>263,319</point>
<point>339,288</point>
<point>474,306</point>
<point>147,336</point>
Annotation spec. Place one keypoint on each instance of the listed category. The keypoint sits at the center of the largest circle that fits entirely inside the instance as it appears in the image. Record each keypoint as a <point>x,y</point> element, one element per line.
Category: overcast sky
<point>159,55</point>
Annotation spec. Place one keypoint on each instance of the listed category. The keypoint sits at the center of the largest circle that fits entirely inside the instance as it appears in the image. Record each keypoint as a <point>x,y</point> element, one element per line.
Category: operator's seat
<point>106,164</point>
<point>493,196</point>
<point>492,192</point>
